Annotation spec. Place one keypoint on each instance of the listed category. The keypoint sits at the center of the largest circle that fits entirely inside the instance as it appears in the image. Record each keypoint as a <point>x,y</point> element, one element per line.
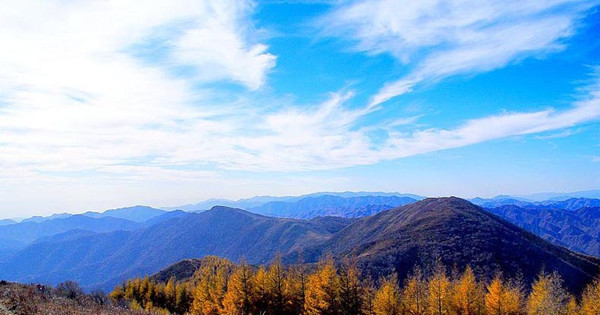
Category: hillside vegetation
<point>221,287</point>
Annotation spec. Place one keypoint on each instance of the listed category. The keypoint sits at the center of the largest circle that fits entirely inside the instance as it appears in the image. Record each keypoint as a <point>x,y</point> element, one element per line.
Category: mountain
<point>103,260</point>
<point>457,232</point>
<point>329,205</point>
<point>26,232</point>
<point>591,194</point>
<point>259,201</point>
<point>567,204</point>
<point>7,222</point>
<point>39,219</point>
<point>181,270</point>
<point>578,230</point>
<point>571,204</point>
<point>500,201</point>
<point>136,213</point>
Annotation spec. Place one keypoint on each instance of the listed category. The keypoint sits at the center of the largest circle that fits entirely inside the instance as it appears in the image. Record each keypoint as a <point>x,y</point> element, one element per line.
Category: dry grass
<point>20,299</point>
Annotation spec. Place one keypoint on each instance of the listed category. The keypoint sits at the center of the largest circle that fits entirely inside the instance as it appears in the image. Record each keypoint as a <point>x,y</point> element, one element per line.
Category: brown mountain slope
<point>457,232</point>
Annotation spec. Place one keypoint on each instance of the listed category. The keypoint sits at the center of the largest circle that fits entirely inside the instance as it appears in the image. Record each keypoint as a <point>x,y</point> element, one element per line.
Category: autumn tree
<point>548,295</point>
<point>211,287</point>
<point>467,294</point>
<point>439,298</point>
<point>368,296</point>
<point>276,278</point>
<point>239,296</point>
<point>590,300</point>
<point>414,294</point>
<point>261,291</point>
<point>350,289</point>
<point>321,290</point>
<point>387,298</point>
<point>295,288</point>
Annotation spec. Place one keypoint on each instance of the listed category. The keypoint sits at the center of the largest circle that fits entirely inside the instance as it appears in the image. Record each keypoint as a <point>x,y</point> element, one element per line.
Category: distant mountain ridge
<point>258,201</point>
<point>568,204</point>
<point>330,205</point>
<point>578,230</point>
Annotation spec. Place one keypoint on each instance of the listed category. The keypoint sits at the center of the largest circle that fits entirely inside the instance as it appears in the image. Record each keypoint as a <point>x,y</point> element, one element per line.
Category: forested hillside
<point>220,287</point>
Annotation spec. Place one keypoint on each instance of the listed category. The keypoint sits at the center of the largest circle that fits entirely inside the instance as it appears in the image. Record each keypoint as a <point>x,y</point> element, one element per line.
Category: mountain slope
<point>577,230</point>
<point>457,232</point>
<point>103,260</point>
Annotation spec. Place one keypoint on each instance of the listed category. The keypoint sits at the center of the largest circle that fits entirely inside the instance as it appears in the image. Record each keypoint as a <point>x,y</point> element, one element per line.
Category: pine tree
<point>170,294</point>
<point>261,291</point>
<point>350,289</point>
<point>296,278</point>
<point>276,278</point>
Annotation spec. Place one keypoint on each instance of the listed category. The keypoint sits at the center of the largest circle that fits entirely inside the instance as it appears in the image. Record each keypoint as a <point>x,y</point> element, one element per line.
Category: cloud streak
<point>439,39</point>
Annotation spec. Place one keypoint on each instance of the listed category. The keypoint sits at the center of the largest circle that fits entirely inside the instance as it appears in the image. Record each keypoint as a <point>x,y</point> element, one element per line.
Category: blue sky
<point>108,104</point>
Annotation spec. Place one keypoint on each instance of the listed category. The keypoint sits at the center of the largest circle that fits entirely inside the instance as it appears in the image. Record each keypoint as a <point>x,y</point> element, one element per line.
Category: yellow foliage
<point>387,298</point>
<point>548,296</point>
<point>321,290</point>
<point>590,300</point>
<point>467,294</point>
<point>415,293</point>
<point>439,297</point>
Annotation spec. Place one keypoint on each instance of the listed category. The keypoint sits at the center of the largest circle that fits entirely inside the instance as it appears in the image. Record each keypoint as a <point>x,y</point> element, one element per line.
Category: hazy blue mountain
<point>258,201</point>
<point>103,260</point>
<point>17,236</point>
<point>592,194</point>
<point>329,205</point>
<point>568,204</point>
<point>500,201</point>
<point>39,219</point>
<point>136,213</point>
<point>7,222</point>
<point>578,230</point>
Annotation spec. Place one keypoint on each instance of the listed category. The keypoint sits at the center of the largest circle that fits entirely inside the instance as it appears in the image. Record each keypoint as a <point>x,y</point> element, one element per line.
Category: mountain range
<point>452,229</point>
<point>578,230</point>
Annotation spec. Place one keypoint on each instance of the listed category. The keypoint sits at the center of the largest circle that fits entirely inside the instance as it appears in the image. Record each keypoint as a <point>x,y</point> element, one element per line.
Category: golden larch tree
<point>548,296</point>
<point>590,300</point>
<point>322,290</point>
<point>467,294</point>
<point>387,298</point>
<point>439,296</point>
<point>414,294</point>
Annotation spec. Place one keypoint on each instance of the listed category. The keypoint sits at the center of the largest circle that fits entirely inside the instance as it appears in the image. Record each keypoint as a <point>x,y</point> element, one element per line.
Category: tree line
<point>221,287</point>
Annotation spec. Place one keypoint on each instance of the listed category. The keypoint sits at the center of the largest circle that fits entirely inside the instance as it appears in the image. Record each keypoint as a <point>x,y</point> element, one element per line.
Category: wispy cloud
<point>74,98</point>
<point>438,39</point>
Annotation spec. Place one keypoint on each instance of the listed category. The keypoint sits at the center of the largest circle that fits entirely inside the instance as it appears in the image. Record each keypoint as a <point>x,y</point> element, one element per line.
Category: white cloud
<point>79,104</point>
<point>74,96</point>
<point>445,38</point>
